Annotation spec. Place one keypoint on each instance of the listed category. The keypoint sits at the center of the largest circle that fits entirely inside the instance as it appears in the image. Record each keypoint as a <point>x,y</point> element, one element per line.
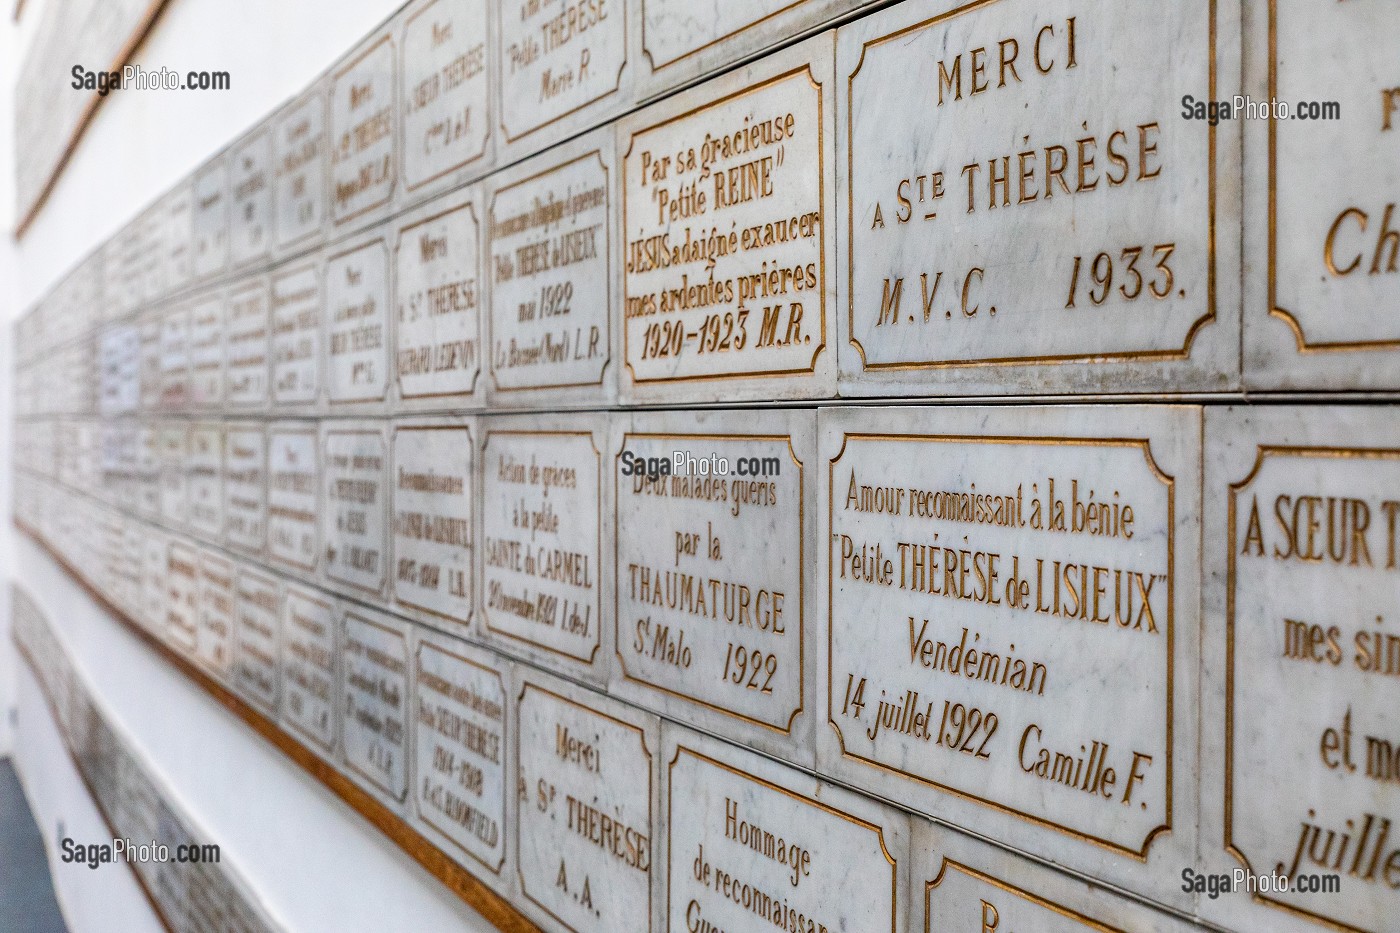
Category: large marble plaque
<point>174,481</point>
<point>587,799</point>
<point>214,642</point>
<point>552,232</point>
<point>204,467</point>
<point>296,335</point>
<point>1322,235</point>
<point>174,358</point>
<point>308,665</point>
<point>460,787</point>
<point>210,219</point>
<point>713,517</point>
<point>245,487</point>
<point>1302,666</point>
<point>299,169</point>
<point>446,108</point>
<point>206,352</point>
<point>433,485</point>
<point>728,212</point>
<point>293,479</point>
<point>357,322</point>
<point>984,566</point>
<point>561,66</point>
<point>354,467</point>
<point>754,845</point>
<point>246,367</point>
<point>374,697</point>
<point>257,620</point>
<point>1034,215</point>
<point>251,189</point>
<point>542,536</point>
<point>362,132</point>
<point>437,300</point>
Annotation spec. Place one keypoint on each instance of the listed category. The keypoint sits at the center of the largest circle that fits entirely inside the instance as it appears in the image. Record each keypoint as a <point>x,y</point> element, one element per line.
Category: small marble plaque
<point>752,844</point>
<point>438,299</point>
<point>1034,215</point>
<point>357,322</point>
<point>149,456</point>
<point>175,358</point>
<point>246,369</point>
<point>174,484</point>
<point>206,352</point>
<point>713,515</point>
<point>728,206</point>
<point>299,169</point>
<point>460,787</point>
<point>251,185</point>
<point>1322,196</point>
<point>433,485</point>
<point>296,335</point>
<point>552,232</point>
<point>542,535</point>
<point>374,668</point>
<point>1302,666</point>
<point>119,379</point>
<point>155,584</point>
<point>308,665</point>
<point>204,468</point>
<point>446,108</point>
<point>245,487</point>
<point>151,328</point>
<point>362,132</point>
<point>293,479</point>
<point>559,59</point>
<point>214,641</point>
<point>210,218</point>
<point>586,809</point>
<point>257,618</point>
<point>179,236</point>
<point>984,565</point>
<point>354,468</point>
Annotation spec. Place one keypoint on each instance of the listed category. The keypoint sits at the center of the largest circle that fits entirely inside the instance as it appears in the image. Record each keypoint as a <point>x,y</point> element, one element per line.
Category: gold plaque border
<point>1046,903</point>
<point>657,67</point>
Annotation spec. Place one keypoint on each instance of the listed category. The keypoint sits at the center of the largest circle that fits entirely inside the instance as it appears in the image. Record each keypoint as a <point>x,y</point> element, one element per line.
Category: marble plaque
<point>174,482</point>
<point>542,535</point>
<point>257,618</point>
<point>374,668</point>
<point>961,883</point>
<point>246,367</point>
<point>728,267</point>
<point>433,485</point>
<point>362,132</point>
<point>119,380</point>
<point>551,227</point>
<point>460,787</point>
<point>559,59</point>
<point>1302,665</point>
<point>206,352</point>
<point>299,169</point>
<point>308,665</point>
<point>251,186</point>
<point>204,467</point>
<point>437,300</point>
<point>446,108</point>
<point>245,487</point>
<point>155,591</point>
<point>984,565</point>
<point>149,458</point>
<point>175,358</point>
<point>754,845</point>
<point>587,798</point>
<point>151,328</point>
<point>293,478</point>
<point>713,514</point>
<point>179,236</point>
<point>357,320</point>
<point>210,218</point>
<point>1322,231</point>
<point>215,642</point>
<point>296,336</point>
<point>354,467</point>
<point>182,597</point>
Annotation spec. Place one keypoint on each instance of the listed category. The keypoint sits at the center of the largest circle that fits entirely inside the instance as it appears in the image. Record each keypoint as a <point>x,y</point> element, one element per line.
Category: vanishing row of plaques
<point>1133,640</point>
<point>1037,211</point>
<point>198,895</point>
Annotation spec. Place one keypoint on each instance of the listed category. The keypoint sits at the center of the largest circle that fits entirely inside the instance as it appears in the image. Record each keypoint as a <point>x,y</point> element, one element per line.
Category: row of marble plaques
<point>998,199</point>
<point>200,895</point>
<point>1129,640</point>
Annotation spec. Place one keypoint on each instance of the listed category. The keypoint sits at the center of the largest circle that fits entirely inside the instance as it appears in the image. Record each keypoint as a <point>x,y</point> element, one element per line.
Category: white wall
<point>315,863</point>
